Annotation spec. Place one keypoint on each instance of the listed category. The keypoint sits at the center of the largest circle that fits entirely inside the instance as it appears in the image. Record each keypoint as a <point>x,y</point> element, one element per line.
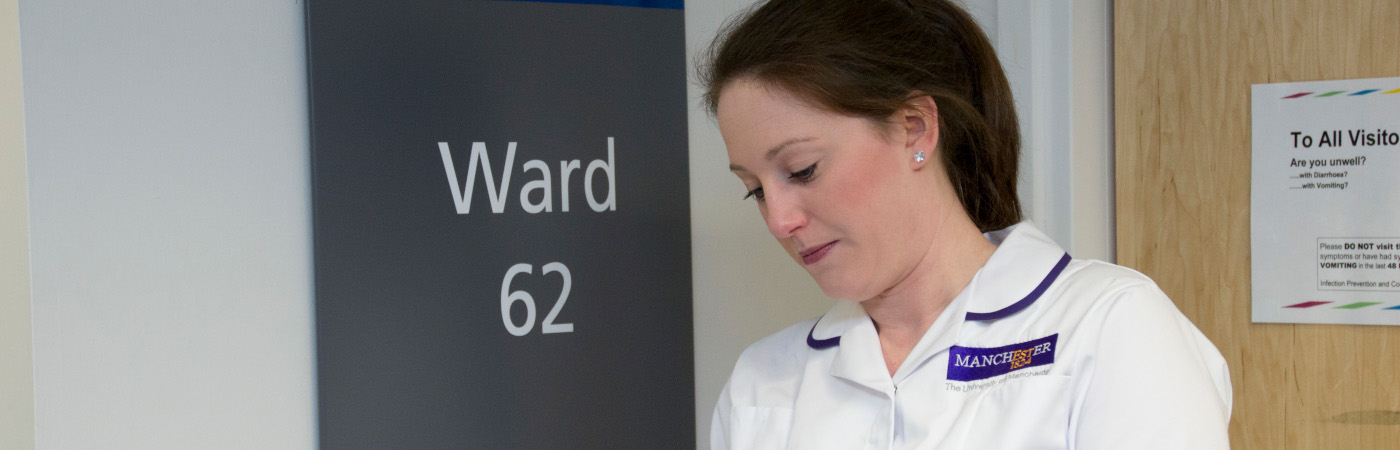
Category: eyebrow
<point>773,152</point>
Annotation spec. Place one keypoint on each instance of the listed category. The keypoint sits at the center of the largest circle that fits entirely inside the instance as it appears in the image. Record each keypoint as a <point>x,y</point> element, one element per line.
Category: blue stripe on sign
<point>659,4</point>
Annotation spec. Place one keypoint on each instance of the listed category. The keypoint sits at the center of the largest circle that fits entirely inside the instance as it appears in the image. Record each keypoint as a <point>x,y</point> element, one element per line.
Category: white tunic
<point>1038,352</point>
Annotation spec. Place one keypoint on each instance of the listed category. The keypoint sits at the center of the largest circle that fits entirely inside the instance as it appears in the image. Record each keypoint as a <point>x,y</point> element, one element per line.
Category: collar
<point>827,332</point>
<point>1024,265</point>
<point>1004,286</point>
<point>857,356</point>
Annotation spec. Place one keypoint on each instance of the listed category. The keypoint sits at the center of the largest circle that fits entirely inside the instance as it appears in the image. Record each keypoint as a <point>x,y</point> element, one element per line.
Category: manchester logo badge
<point>978,363</point>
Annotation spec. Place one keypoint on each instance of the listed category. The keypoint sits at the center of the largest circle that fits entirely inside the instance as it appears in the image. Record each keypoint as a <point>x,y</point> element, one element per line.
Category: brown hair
<point>867,59</point>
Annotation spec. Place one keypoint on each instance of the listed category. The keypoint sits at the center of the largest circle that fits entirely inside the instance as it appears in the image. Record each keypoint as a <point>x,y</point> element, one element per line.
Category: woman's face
<point>843,195</point>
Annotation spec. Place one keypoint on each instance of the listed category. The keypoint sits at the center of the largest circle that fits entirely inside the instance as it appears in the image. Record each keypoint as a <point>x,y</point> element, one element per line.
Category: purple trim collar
<point>1024,302</point>
<point>821,344</point>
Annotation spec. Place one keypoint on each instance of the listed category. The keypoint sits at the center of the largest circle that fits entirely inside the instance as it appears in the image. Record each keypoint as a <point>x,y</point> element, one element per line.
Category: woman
<point>879,141</point>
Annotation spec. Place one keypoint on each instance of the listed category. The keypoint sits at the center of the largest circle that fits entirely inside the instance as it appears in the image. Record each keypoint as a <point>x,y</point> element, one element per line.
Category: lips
<point>814,254</point>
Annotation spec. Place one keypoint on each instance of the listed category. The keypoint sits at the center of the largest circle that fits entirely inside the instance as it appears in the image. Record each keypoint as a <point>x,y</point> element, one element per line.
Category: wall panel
<point>16,349</point>
<point>1182,79</point>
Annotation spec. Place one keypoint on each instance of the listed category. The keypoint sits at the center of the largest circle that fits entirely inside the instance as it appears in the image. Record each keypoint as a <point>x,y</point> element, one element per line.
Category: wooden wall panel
<point>1183,70</point>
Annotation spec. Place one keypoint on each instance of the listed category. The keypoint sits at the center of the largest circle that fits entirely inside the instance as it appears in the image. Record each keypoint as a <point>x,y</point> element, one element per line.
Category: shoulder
<point>1123,300</point>
<point>1090,289</point>
<point>1128,334</point>
<point>1129,304</point>
<point>1108,279</point>
<point>769,369</point>
<point>1122,316</point>
<point>1104,306</point>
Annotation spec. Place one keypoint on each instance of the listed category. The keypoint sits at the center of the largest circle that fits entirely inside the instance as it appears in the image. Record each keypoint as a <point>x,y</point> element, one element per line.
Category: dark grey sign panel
<point>502,230</point>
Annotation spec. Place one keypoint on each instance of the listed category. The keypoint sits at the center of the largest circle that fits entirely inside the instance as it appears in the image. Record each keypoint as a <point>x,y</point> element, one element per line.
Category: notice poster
<point>1325,202</point>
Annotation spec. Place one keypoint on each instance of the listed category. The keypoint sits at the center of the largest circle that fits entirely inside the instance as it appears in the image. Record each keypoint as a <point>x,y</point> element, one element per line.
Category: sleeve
<point>1156,382</point>
<point>719,421</point>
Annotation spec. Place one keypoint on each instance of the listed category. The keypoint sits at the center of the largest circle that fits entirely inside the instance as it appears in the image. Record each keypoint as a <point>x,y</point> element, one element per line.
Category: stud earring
<point>919,156</point>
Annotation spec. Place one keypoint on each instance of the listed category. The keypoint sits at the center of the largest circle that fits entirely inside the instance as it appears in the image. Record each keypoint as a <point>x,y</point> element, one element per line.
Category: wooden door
<point>1183,70</point>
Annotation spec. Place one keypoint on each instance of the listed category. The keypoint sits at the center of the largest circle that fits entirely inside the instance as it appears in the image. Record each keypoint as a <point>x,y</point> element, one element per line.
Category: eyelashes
<point>756,194</point>
<point>803,176</point>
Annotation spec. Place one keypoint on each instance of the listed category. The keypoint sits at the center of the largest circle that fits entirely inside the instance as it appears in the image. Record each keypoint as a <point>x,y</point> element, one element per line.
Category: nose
<point>783,212</point>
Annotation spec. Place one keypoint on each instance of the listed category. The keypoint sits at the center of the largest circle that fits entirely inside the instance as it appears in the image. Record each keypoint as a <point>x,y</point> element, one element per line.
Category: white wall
<point>1092,201</point>
<point>1058,57</point>
<point>16,357</point>
<point>169,204</point>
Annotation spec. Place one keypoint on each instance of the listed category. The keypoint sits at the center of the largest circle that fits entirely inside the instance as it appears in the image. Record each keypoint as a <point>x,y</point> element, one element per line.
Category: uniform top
<point>1039,351</point>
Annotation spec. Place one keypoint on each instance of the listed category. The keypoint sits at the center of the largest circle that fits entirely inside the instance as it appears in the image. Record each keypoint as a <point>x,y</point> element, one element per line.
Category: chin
<point>840,289</point>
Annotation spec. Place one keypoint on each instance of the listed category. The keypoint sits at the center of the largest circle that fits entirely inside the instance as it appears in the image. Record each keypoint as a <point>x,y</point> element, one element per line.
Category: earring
<point>919,156</point>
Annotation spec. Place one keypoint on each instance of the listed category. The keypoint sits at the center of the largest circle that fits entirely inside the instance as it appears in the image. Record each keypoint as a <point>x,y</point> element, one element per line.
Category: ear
<point>919,120</point>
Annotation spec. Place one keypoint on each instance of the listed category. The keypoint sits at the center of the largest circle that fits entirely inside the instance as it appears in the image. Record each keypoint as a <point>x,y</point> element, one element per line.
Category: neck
<point>905,311</point>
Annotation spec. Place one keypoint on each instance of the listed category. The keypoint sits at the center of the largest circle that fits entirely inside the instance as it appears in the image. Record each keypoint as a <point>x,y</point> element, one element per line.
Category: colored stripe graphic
<point>1358,305</point>
<point>1394,307</point>
<point>1332,93</point>
<point>1306,304</point>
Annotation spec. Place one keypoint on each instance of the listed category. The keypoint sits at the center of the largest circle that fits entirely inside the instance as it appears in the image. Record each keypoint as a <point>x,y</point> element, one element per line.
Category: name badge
<point>977,363</point>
